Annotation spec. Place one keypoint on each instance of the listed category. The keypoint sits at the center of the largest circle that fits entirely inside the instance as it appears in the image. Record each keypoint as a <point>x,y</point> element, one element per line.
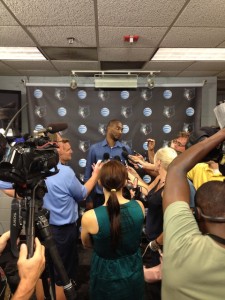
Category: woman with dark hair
<point>114,231</point>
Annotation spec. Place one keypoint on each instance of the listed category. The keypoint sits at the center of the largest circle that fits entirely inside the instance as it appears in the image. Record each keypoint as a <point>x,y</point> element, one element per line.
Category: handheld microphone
<point>105,156</point>
<point>56,127</point>
<point>126,156</point>
<point>117,158</point>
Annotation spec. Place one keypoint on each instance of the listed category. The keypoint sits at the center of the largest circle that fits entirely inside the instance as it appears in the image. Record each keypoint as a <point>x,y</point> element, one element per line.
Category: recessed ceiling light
<point>192,54</point>
<point>20,53</point>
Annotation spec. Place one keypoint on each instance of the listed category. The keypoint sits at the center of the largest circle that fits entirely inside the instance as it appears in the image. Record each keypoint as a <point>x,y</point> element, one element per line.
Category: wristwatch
<point>154,245</point>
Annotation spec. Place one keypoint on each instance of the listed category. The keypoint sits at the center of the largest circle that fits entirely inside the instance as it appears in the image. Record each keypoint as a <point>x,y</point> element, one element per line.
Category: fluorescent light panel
<point>20,53</point>
<point>116,81</point>
<point>184,54</point>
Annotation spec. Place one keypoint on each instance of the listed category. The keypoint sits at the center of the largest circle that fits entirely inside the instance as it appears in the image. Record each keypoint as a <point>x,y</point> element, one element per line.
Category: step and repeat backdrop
<point>159,113</point>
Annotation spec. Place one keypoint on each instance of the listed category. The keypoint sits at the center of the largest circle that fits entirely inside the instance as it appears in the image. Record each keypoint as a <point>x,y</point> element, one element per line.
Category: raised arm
<point>176,187</point>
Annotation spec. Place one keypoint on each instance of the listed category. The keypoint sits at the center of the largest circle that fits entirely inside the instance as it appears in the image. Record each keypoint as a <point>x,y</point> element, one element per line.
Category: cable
<point>146,249</point>
<point>13,118</point>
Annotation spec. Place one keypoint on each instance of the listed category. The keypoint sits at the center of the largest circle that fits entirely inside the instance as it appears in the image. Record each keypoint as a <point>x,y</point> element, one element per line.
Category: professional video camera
<point>201,134</point>
<point>26,163</point>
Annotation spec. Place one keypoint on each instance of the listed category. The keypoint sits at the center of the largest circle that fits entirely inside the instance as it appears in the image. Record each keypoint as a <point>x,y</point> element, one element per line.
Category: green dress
<point>118,275</point>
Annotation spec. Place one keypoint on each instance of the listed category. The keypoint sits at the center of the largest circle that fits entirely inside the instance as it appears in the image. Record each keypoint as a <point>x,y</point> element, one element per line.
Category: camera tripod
<point>30,209</point>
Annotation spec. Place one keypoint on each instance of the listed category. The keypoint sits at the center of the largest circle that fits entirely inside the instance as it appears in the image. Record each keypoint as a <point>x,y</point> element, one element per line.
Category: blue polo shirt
<point>5,185</point>
<point>64,193</point>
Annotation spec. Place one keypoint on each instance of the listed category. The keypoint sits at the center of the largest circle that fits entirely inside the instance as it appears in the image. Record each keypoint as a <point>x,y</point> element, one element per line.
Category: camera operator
<point>29,269</point>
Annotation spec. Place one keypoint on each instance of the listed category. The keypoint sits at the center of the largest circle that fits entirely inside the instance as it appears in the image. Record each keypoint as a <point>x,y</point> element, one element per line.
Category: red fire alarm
<point>131,38</point>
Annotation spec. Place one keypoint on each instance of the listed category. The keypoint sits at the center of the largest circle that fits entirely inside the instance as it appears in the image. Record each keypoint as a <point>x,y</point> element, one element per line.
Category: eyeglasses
<point>63,141</point>
<point>178,143</point>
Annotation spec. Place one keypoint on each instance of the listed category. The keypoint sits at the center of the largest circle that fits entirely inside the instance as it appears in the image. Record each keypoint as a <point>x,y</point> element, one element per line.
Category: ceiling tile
<point>181,37</point>
<point>207,66</point>
<point>57,35</point>
<point>203,13</point>
<point>138,13</point>
<point>14,36</point>
<point>57,12</point>
<point>76,65</point>
<point>30,65</point>
<point>6,19</point>
<point>5,69</point>
<point>114,36</point>
<point>197,73</point>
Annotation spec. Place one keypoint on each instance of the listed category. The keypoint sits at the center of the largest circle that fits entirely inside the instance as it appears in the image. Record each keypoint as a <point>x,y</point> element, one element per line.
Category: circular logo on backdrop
<point>38,127</point>
<point>167,128</point>
<point>167,94</point>
<point>62,111</point>
<point>190,111</point>
<point>38,94</point>
<point>147,111</point>
<point>145,146</point>
<point>125,129</point>
<point>82,94</point>
<point>82,163</point>
<point>82,129</point>
<point>124,95</point>
<point>104,111</point>
<point>147,178</point>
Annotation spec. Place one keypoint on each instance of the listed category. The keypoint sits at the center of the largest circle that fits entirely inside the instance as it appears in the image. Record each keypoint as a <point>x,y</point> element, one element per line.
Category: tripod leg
<point>43,226</point>
<point>45,285</point>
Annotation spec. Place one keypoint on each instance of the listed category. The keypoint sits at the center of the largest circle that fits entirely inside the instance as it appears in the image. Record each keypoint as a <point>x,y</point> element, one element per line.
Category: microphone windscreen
<point>56,127</point>
<point>105,156</point>
<point>117,158</point>
<point>125,154</point>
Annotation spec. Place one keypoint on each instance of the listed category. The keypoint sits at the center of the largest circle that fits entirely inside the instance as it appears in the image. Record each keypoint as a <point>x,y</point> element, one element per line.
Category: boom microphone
<point>56,127</point>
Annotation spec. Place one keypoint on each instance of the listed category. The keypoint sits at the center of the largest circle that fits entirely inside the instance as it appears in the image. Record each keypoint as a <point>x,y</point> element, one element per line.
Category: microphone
<point>126,156</point>
<point>117,158</point>
<point>105,156</point>
<point>56,127</point>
